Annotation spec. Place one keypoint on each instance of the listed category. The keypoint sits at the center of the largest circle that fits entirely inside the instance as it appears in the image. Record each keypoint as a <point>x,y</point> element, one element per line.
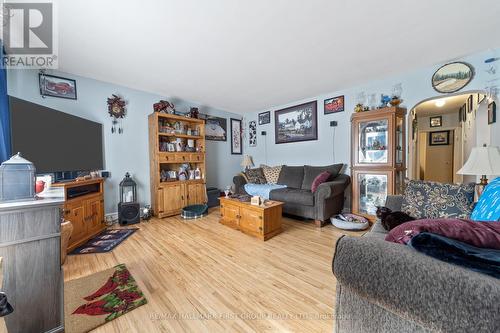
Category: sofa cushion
<point>255,176</point>
<point>293,196</point>
<point>272,174</point>
<point>292,176</point>
<point>320,179</point>
<point>424,199</point>
<point>311,172</point>
<point>488,205</point>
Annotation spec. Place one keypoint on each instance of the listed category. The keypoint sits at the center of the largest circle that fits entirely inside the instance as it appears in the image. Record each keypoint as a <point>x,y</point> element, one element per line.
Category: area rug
<point>105,241</point>
<point>96,299</point>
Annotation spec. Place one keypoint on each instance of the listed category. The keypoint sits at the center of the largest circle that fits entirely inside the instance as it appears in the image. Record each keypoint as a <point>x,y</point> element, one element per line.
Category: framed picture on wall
<point>334,105</point>
<point>296,123</point>
<point>470,103</point>
<point>236,144</point>
<point>436,121</point>
<point>57,86</point>
<point>441,138</point>
<point>492,113</point>
<point>264,117</point>
<point>464,113</point>
<point>215,128</point>
<point>252,133</point>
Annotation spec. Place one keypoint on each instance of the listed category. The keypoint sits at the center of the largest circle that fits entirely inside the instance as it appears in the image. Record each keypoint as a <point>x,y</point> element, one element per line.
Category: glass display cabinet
<point>378,158</point>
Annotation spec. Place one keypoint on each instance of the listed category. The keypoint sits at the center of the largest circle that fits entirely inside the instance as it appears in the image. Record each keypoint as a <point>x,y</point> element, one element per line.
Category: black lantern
<point>128,189</point>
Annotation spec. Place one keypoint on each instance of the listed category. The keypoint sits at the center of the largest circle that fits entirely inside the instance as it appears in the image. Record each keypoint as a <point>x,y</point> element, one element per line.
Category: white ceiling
<point>452,105</point>
<point>243,56</point>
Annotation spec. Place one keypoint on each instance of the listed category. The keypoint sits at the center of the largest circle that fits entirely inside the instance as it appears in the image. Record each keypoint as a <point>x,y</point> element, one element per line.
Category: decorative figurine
<point>194,113</point>
<point>395,101</point>
<point>358,107</point>
<point>147,213</point>
<point>384,100</point>
<point>116,110</point>
<point>164,107</point>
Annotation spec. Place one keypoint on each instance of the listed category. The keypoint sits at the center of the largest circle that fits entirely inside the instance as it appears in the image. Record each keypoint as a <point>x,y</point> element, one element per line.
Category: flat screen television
<point>55,141</point>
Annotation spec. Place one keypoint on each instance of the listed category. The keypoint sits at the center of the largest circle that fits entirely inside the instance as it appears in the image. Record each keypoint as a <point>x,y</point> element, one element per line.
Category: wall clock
<point>116,110</point>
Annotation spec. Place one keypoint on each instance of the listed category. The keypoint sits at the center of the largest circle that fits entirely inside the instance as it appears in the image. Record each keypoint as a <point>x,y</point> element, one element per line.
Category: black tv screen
<point>54,141</point>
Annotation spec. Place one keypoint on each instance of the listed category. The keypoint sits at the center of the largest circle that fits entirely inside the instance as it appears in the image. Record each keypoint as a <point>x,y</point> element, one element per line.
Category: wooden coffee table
<point>262,221</point>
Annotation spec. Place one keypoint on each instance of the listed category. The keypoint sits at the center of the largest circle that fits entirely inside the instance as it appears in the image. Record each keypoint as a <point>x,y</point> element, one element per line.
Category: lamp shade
<point>482,161</point>
<point>247,161</point>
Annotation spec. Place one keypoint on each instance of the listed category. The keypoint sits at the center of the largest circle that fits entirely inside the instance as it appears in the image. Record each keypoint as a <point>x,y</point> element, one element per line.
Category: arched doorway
<point>442,132</point>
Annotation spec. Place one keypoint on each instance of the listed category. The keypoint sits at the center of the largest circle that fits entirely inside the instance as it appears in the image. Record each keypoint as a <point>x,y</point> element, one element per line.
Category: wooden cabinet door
<point>195,194</point>
<point>75,213</point>
<point>251,221</point>
<point>173,198</point>
<point>230,215</point>
<point>93,215</point>
<point>160,200</point>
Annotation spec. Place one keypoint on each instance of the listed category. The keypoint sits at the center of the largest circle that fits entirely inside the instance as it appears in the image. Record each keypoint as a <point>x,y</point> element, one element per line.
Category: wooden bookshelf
<point>168,197</point>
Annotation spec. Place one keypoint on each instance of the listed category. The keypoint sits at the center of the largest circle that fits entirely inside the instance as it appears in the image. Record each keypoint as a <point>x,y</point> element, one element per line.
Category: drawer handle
<point>260,228</point>
<point>260,217</point>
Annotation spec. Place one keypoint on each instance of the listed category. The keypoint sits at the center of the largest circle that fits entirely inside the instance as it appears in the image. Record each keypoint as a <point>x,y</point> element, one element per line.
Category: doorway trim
<point>411,146</point>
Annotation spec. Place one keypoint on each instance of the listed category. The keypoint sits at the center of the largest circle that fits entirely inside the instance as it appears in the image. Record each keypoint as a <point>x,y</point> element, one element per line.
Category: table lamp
<point>482,161</point>
<point>247,162</point>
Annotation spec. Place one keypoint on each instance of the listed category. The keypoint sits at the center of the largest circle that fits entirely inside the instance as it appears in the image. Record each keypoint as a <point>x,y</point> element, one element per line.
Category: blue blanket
<point>486,261</point>
<point>262,190</point>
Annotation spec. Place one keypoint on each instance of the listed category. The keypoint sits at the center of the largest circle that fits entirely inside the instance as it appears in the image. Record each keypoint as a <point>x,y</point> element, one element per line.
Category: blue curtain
<point>5,148</point>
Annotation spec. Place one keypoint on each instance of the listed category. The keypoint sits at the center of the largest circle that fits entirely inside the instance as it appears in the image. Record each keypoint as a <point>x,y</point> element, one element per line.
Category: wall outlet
<point>333,123</point>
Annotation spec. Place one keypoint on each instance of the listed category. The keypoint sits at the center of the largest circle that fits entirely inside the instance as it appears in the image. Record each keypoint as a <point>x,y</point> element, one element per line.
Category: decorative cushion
<point>488,205</point>
<point>271,173</point>
<point>255,176</point>
<point>320,179</point>
<point>424,199</point>
<point>292,176</point>
<point>480,234</point>
<point>311,172</point>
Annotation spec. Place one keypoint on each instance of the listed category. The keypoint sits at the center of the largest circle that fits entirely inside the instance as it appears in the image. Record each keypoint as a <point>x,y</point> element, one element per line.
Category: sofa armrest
<point>332,188</point>
<point>394,202</point>
<point>437,295</point>
<point>239,184</point>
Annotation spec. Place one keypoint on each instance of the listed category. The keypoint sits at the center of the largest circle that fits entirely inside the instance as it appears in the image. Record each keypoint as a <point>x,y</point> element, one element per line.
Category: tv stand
<point>84,208</point>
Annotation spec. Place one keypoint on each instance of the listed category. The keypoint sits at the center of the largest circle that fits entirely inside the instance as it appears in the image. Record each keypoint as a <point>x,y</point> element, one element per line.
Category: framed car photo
<point>56,86</point>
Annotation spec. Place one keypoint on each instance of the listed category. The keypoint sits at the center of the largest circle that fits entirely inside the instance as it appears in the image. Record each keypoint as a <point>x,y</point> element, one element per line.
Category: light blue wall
<point>333,145</point>
<point>128,151</point>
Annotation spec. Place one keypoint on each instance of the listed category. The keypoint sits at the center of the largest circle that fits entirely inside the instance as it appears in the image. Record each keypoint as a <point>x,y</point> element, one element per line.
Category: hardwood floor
<point>201,276</point>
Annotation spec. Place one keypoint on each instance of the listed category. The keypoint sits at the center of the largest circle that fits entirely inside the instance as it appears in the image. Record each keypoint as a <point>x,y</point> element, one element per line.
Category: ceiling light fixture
<point>440,103</point>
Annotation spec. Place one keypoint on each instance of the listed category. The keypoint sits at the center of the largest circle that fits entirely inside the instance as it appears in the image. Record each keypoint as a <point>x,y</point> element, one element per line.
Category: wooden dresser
<point>32,275</point>
<point>84,208</point>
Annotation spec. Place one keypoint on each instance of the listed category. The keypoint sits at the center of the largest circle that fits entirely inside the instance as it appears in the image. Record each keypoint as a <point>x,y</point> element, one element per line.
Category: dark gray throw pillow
<point>311,172</point>
<point>255,176</point>
<point>291,176</point>
<point>432,200</point>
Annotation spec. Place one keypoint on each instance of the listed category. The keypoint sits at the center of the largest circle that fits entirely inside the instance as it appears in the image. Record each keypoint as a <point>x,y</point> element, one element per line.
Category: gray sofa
<point>388,287</point>
<point>327,201</point>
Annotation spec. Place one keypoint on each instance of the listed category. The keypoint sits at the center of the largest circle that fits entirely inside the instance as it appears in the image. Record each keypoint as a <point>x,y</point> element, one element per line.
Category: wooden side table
<point>262,221</point>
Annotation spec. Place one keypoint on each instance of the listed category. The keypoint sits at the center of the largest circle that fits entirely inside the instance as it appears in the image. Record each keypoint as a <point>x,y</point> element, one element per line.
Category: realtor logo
<point>29,35</point>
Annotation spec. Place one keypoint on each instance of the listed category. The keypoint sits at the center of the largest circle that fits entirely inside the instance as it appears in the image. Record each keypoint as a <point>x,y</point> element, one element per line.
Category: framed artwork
<point>252,133</point>
<point>334,105</point>
<point>464,113</point>
<point>492,113</point>
<point>216,129</point>
<point>264,117</point>
<point>236,146</point>
<point>57,86</point>
<point>436,121</point>
<point>452,77</point>
<point>470,103</point>
<point>480,98</point>
<point>296,123</point>
<point>441,138</point>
